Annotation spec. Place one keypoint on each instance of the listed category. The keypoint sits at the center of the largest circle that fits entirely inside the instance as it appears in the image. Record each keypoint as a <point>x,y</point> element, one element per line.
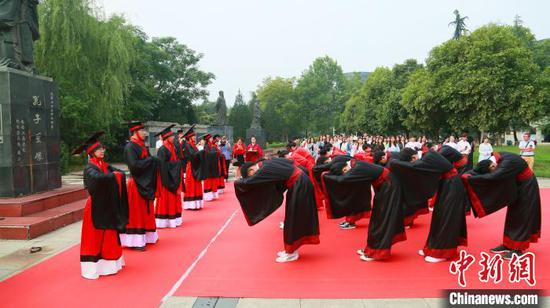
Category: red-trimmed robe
<point>168,205</point>
<point>105,213</point>
<point>192,199</point>
<point>141,186</point>
<point>263,193</point>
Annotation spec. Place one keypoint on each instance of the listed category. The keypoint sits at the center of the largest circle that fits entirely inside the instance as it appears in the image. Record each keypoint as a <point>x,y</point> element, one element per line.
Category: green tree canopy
<point>321,91</point>
<point>282,116</point>
<point>240,116</point>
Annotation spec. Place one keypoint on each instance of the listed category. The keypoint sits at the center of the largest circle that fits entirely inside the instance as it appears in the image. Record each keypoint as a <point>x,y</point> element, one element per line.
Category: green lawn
<point>542,158</point>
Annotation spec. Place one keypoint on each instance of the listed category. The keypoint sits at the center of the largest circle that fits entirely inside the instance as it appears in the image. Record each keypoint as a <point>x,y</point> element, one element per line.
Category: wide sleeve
<point>261,194</point>
<point>170,170</point>
<point>136,164</point>
<point>350,193</point>
<point>109,199</point>
<point>492,191</point>
<point>420,179</point>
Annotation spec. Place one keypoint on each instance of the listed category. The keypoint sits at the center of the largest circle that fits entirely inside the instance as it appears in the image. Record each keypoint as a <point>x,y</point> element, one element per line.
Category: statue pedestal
<point>259,133</point>
<point>29,134</point>
<point>222,130</point>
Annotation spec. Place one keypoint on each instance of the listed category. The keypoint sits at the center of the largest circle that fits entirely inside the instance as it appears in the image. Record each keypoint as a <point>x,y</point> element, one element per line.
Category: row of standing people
<point>127,213</point>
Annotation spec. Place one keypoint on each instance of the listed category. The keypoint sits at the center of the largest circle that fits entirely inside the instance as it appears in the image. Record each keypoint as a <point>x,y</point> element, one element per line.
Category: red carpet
<point>241,263</point>
<point>145,279</point>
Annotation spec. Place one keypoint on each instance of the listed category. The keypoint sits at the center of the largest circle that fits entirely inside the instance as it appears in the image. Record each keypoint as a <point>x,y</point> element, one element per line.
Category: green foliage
<point>240,117</point>
<point>179,82</point>
<point>376,108</point>
<point>282,116</point>
<point>206,112</point>
<point>321,91</point>
<point>109,71</point>
<point>487,80</point>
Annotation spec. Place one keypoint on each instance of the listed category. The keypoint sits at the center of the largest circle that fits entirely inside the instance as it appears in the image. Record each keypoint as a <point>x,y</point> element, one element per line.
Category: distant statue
<point>221,109</point>
<point>256,116</point>
<point>18,31</point>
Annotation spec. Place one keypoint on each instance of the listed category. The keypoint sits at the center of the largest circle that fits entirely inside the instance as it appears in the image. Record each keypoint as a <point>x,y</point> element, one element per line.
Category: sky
<point>246,41</point>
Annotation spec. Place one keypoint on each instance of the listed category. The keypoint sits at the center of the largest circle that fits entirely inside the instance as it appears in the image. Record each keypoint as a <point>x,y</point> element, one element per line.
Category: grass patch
<point>542,158</point>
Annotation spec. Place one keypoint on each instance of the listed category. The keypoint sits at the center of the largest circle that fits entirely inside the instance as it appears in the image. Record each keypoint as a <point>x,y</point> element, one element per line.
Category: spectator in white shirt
<point>527,150</point>
<point>485,150</point>
<point>413,144</point>
<point>463,146</point>
<point>452,143</point>
<point>159,143</point>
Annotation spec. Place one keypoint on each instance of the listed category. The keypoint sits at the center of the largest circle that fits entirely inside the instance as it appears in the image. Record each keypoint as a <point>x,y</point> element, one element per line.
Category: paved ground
<point>15,257</point>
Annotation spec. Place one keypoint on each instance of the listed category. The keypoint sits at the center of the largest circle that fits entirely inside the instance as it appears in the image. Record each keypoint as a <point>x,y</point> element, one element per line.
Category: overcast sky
<point>245,41</point>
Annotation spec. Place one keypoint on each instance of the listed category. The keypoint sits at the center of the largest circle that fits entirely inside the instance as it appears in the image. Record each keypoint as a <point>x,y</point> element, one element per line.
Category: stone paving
<point>194,302</point>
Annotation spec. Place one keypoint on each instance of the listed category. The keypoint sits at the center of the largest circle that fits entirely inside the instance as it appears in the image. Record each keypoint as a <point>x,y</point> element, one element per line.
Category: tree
<point>460,25</point>
<point>390,113</point>
<point>362,108</point>
<point>206,112</point>
<point>425,113</point>
<point>486,81</point>
<point>90,60</point>
<point>321,91</point>
<point>180,83</point>
<point>282,116</point>
<point>240,116</point>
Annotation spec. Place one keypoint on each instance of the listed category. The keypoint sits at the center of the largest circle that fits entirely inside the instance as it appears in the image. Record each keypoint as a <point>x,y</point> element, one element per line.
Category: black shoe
<point>139,248</point>
<point>500,249</point>
<point>509,254</point>
<point>348,226</point>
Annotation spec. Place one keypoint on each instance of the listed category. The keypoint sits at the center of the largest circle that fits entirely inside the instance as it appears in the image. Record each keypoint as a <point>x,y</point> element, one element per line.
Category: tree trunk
<point>515,136</point>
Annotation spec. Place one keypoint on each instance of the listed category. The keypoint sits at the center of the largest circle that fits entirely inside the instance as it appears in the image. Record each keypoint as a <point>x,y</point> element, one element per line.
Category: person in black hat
<point>168,205</point>
<point>212,163</point>
<point>222,166</point>
<point>105,213</point>
<point>141,186</point>
<point>194,173</point>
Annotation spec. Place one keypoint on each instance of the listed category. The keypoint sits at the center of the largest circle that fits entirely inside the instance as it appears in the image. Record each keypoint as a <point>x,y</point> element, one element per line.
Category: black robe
<point>142,170</point>
<point>170,170</point>
<point>198,161</point>
<point>419,180</point>
<point>512,185</point>
<point>180,152</point>
<point>492,191</point>
<point>350,194</point>
<point>212,161</point>
<point>448,224</point>
<point>263,193</point>
<point>386,223</point>
<point>109,199</point>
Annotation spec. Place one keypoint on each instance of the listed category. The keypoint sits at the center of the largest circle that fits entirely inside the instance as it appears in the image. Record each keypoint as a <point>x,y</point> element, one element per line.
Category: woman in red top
<point>238,154</point>
<point>254,151</point>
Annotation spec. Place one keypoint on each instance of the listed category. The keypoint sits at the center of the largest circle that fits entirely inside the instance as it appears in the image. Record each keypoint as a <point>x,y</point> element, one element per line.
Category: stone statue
<point>221,109</point>
<point>18,31</point>
<point>256,116</point>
